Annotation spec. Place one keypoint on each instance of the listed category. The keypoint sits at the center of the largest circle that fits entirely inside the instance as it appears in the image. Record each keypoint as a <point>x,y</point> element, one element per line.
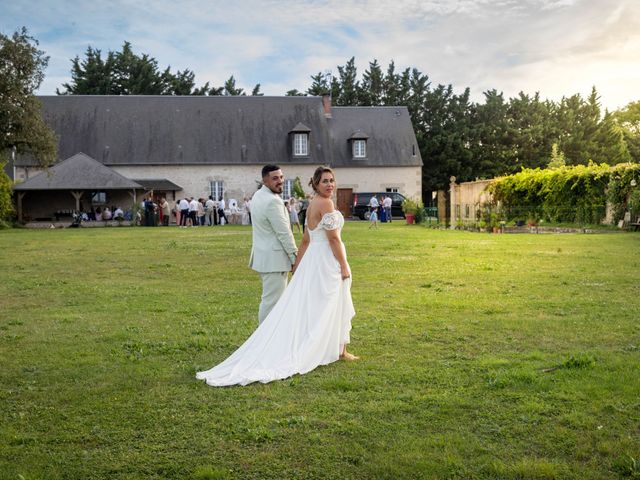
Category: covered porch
<point>77,184</point>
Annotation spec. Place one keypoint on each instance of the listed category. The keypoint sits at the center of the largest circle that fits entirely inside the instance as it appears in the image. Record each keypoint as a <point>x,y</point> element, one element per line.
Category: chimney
<point>326,104</point>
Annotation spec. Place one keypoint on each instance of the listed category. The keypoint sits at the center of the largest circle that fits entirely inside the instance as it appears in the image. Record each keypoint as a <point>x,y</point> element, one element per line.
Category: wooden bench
<point>635,225</point>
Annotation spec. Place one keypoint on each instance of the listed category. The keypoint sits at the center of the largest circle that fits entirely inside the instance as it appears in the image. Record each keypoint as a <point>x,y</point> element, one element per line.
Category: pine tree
<point>230,87</point>
<point>349,85</point>
<point>391,85</point>
<point>256,91</point>
<point>320,86</point>
<point>126,73</point>
<point>372,86</point>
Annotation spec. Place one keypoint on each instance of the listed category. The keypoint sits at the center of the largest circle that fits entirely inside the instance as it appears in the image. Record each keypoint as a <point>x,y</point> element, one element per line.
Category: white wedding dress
<point>308,326</point>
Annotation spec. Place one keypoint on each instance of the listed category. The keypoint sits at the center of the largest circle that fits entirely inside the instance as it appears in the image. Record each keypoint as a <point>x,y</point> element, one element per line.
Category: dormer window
<point>301,144</point>
<point>300,140</point>
<point>359,145</point>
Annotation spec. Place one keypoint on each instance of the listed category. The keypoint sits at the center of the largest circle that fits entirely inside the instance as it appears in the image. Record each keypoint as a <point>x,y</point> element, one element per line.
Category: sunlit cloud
<point>556,47</point>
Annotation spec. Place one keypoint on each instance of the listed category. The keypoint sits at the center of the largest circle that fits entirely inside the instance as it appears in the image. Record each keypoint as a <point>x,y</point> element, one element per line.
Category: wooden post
<point>77,196</point>
<point>20,197</point>
<point>454,202</point>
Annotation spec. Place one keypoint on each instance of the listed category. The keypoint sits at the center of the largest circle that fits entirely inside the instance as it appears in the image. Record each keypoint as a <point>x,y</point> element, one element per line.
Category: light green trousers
<point>273,285</point>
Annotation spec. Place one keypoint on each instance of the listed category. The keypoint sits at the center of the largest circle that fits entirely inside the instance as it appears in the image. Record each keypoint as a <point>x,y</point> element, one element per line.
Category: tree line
<point>456,136</point>
<point>126,73</point>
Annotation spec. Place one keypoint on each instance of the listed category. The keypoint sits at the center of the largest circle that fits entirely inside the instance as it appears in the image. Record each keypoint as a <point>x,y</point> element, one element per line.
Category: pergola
<point>77,174</point>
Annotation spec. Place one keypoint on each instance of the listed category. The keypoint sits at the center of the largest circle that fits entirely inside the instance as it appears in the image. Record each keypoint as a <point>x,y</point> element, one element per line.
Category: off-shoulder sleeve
<point>331,220</point>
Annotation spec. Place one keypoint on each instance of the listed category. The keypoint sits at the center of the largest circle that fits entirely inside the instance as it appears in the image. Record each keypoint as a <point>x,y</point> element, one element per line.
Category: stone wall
<point>240,181</point>
<point>465,200</point>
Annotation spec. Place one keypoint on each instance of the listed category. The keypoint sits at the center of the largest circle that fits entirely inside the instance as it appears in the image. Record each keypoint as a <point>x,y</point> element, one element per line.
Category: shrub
<point>6,204</point>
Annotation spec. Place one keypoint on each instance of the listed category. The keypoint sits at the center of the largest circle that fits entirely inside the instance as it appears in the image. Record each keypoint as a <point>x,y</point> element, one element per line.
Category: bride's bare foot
<point>348,356</point>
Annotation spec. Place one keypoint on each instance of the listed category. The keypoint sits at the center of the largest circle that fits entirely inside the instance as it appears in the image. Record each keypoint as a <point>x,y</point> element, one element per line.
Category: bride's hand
<point>346,271</point>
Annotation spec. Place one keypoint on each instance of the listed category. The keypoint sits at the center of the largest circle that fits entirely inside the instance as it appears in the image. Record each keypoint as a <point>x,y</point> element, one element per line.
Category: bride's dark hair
<point>317,176</point>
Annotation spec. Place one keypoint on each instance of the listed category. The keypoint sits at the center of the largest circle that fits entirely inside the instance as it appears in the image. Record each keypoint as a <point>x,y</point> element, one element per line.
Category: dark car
<point>361,201</point>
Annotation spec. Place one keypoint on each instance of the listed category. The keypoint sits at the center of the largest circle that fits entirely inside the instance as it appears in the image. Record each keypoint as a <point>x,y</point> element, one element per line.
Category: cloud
<point>552,46</point>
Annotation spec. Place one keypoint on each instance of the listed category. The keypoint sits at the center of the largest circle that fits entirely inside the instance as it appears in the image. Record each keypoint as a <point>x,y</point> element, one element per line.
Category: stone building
<point>182,146</point>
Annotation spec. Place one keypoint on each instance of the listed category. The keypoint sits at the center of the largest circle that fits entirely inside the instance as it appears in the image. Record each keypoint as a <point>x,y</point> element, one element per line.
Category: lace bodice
<point>330,221</point>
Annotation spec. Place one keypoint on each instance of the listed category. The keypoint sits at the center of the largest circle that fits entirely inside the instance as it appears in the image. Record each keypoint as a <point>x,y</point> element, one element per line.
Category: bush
<point>6,203</point>
<point>634,203</point>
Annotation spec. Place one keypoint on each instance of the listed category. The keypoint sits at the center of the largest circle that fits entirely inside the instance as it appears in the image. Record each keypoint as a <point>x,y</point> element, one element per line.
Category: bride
<point>310,324</point>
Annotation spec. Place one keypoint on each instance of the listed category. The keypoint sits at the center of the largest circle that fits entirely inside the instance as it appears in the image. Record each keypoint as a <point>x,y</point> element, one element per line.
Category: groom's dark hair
<point>267,169</point>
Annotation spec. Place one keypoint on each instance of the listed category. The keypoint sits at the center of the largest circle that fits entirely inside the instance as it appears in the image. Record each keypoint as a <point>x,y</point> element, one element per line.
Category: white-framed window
<point>391,190</point>
<point>217,189</point>
<point>301,144</point>
<point>359,148</point>
<point>99,198</point>
<point>287,190</point>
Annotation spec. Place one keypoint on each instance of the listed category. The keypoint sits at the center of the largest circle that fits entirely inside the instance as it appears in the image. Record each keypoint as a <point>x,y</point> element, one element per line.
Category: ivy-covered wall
<point>577,194</point>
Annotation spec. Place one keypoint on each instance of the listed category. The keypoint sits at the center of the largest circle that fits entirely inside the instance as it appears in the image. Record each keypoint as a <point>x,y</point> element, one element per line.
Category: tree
<point>91,76</point>
<point>608,144</point>
<point>320,85</point>
<point>493,146</point>
<point>391,86</point>
<point>230,87</point>
<point>256,91</point>
<point>183,83</point>
<point>372,86</point>
<point>533,131</point>
<point>557,157</point>
<point>126,73</point>
<point>445,135</point>
<point>585,135</point>
<point>628,118</point>
<point>294,93</point>
<point>349,85</point>
<point>22,128</point>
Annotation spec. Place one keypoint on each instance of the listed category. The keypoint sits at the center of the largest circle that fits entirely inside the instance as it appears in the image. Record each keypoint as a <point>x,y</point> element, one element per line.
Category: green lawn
<point>483,357</point>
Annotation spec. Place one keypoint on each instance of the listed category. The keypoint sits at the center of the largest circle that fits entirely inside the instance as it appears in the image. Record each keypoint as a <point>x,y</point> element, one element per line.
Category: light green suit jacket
<point>274,248</point>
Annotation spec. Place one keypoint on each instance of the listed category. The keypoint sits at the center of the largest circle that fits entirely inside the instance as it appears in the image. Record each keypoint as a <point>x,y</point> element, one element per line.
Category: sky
<point>554,47</point>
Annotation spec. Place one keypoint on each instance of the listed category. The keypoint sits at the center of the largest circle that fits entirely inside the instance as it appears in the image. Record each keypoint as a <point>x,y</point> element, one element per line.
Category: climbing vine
<point>568,193</point>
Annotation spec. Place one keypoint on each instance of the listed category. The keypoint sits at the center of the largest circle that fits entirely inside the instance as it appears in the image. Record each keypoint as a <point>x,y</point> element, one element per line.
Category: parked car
<point>361,200</point>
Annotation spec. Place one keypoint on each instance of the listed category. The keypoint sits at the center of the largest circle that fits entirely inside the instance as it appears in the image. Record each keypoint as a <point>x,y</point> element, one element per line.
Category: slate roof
<point>171,130</point>
<point>79,172</point>
<point>157,184</point>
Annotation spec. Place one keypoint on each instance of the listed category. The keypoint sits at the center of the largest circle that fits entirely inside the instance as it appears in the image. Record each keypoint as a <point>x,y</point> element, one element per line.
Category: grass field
<point>483,357</point>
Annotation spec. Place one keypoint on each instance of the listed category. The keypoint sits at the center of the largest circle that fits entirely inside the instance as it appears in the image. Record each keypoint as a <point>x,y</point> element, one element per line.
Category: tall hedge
<point>568,193</point>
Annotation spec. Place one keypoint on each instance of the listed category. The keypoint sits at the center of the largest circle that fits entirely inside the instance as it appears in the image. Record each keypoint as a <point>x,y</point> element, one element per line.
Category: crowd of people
<point>191,212</point>
<point>100,214</point>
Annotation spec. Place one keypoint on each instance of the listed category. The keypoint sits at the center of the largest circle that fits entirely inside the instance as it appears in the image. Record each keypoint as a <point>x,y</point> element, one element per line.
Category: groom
<point>274,250</point>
